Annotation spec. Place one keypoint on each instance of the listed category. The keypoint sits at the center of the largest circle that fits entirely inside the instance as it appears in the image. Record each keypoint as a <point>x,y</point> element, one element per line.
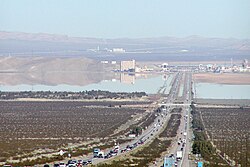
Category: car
<point>116,151</point>
<point>85,163</point>
<point>69,161</point>
<point>135,145</point>
<point>113,153</point>
<point>90,161</point>
<point>71,165</point>
<point>80,161</point>
<point>140,142</point>
<point>56,165</point>
<point>62,164</point>
<point>123,150</point>
<point>74,161</point>
<point>171,155</point>
<point>128,149</point>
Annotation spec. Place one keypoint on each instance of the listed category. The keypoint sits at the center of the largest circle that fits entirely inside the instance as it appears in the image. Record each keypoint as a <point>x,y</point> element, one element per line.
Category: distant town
<point>130,66</point>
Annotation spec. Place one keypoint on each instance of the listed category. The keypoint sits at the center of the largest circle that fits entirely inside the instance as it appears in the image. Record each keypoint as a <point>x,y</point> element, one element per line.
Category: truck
<point>179,155</point>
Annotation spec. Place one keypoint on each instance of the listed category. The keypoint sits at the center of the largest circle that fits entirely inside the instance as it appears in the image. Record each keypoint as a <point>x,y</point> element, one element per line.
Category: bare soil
<point>223,78</point>
<point>26,126</point>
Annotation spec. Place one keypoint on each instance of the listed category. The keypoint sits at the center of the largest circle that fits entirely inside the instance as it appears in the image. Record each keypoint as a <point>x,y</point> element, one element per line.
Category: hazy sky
<point>128,18</point>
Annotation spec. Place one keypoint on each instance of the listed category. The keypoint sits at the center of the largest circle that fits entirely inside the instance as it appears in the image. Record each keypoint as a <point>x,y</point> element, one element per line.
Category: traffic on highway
<point>180,149</point>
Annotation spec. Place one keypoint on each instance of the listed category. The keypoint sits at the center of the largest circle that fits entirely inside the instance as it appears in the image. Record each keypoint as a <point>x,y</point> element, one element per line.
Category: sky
<point>128,18</point>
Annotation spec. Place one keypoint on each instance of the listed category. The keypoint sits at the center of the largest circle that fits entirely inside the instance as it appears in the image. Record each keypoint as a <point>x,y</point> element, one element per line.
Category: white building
<point>104,62</point>
<point>128,65</point>
<point>164,66</point>
<point>118,50</point>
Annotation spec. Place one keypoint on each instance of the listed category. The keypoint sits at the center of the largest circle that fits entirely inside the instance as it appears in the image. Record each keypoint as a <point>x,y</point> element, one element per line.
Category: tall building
<point>128,66</point>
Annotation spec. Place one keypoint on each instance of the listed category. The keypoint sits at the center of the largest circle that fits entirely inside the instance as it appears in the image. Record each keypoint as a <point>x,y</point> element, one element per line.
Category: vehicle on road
<point>62,164</point>
<point>56,165</point>
<point>178,155</point>
<point>96,152</point>
<point>7,166</point>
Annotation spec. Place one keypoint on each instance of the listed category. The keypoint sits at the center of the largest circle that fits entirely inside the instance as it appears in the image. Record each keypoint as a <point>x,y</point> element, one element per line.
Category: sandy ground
<point>148,63</point>
<point>223,78</point>
<point>223,102</point>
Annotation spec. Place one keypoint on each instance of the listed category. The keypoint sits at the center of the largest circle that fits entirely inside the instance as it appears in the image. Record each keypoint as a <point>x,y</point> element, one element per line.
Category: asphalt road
<point>184,128</point>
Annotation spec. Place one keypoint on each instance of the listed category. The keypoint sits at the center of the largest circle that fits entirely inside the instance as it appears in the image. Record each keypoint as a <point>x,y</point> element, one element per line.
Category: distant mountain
<point>193,48</point>
<point>4,35</point>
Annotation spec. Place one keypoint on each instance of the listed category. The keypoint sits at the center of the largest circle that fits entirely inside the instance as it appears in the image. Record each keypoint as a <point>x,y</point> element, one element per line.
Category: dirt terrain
<point>223,102</point>
<point>223,78</point>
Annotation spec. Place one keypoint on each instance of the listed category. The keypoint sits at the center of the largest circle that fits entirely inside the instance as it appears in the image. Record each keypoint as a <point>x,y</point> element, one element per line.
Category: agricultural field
<point>26,126</point>
<point>229,131</point>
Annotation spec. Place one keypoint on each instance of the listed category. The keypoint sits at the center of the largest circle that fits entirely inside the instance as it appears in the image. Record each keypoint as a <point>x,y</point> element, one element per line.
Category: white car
<point>62,164</point>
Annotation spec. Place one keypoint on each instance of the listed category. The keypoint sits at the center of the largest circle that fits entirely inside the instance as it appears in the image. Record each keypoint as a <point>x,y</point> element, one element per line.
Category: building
<point>118,50</point>
<point>164,67</point>
<point>104,62</point>
<point>128,66</point>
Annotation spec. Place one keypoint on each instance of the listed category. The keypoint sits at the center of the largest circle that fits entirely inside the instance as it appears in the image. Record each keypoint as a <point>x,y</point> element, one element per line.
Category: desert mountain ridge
<point>191,48</point>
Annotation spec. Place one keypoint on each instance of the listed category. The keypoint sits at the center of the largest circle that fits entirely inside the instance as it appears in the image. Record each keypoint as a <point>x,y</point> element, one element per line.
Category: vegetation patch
<point>172,126</point>
<point>26,126</point>
<point>229,131</point>
<point>202,144</point>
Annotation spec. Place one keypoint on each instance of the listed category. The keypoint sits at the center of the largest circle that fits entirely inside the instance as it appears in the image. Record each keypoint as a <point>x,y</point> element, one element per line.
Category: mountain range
<point>193,48</point>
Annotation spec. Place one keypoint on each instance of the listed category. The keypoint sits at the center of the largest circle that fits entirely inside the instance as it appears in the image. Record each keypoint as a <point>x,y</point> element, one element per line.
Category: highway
<point>182,142</point>
<point>157,126</point>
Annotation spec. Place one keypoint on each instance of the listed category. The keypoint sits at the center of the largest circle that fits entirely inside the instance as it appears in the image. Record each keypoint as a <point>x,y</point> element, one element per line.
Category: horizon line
<point>150,37</point>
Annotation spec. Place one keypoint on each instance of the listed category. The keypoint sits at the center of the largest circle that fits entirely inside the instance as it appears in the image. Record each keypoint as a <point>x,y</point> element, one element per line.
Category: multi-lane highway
<point>159,123</point>
<point>182,142</point>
